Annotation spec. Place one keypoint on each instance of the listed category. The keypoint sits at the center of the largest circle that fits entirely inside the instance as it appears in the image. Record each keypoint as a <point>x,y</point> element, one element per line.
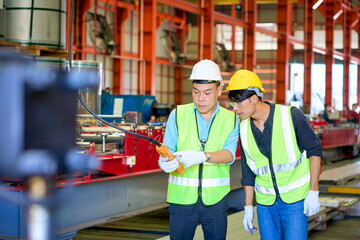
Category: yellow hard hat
<point>244,79</point>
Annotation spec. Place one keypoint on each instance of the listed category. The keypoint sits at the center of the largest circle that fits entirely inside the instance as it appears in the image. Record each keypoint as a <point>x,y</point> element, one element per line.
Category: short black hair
<point>241,95</point>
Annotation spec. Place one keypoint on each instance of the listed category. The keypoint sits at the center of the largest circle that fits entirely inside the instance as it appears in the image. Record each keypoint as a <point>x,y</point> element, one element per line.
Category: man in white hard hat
<point>280,159</point>
<point>203,136</point>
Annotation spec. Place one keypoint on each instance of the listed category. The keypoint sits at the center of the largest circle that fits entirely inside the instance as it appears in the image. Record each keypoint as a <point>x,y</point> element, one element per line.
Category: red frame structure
<point>340,11</point>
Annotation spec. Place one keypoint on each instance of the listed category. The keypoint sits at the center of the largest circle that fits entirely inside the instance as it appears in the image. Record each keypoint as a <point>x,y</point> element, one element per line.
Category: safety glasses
<point>233,102</point>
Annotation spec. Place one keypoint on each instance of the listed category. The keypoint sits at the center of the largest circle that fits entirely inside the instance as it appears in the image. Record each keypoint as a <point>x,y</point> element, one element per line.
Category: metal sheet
<point>51,62</point>
<point>36,22</point>
<point>90,95</point>
<point>99,202</point>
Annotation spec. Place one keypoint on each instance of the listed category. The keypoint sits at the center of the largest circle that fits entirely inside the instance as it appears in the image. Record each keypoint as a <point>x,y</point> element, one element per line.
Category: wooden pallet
<point>318,221</point>
<point>341,175</point>
<point>35,50</point>
<point>331,208</point>
<point>341,203</point>
<point>343,181</point>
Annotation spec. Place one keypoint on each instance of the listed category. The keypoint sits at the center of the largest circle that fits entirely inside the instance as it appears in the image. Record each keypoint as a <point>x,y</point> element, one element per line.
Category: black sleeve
<point>248,177</point>
<point>305,136</point>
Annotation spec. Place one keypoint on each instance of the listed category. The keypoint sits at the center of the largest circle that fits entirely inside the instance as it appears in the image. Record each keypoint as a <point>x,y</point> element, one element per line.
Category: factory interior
<point>87,87</point>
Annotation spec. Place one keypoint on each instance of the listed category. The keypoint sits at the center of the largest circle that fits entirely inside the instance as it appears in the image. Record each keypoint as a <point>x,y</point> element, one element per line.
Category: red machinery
<point>132,155</point>
<point>341,134</point>
<point>339,140</point>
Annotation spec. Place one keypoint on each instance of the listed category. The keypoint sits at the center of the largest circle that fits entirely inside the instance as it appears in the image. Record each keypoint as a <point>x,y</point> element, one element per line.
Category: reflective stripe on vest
<point>215,178</point>
<point>279,167</point>
<point>193,182</point>
<point>284,189</point>
<point>290,166</point>
<point>293,162</point>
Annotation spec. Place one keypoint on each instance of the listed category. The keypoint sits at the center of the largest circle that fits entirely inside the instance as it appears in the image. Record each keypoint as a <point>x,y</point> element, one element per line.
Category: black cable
<point>84,104</point>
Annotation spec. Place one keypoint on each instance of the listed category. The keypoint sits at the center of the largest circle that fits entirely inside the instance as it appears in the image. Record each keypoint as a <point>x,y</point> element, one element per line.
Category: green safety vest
<point>214,182</point>
<point>291,167</point>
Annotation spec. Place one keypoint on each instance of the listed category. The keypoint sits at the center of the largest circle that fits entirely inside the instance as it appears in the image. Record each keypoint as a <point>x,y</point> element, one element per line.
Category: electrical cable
<point>84,104</point>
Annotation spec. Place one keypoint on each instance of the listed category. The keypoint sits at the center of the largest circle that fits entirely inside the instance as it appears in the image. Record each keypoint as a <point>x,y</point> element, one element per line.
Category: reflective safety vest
<point>290,166</point>
<point>214,182</point>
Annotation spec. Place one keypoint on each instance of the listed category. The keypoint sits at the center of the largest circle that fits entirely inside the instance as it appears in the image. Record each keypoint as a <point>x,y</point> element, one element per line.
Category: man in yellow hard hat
<point>280,157</point>
<point>204,137</point>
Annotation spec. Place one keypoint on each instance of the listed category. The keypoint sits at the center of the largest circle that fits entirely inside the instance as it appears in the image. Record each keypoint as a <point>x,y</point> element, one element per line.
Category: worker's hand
<point>190,157</point>
<point>168,166</point>
<point>311,203</point>
<point>248,219</point>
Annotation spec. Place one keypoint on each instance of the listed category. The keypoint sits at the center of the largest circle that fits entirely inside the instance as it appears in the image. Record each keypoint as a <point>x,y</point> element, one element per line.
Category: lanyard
<point>203,143</point>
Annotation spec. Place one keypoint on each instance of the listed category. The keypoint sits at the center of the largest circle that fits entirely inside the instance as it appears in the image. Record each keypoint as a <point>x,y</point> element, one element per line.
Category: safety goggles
<point>237,101</point>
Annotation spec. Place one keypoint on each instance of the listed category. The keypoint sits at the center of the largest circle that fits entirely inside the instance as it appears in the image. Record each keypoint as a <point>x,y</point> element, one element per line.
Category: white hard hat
<point>205,71</point>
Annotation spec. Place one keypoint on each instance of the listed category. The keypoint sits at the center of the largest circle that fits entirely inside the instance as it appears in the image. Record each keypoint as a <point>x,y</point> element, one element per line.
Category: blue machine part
<point>131,103</point>
<point>148,109</point>
<point>162,110</point>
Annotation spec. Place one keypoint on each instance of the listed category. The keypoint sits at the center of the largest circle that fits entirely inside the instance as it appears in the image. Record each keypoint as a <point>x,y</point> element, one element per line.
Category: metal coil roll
<point>36,22</point>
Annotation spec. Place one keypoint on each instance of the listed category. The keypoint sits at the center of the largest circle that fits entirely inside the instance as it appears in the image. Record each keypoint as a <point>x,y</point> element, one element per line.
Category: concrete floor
<point>349,227</point>
<point>155,225</point>
<point>336,230</point>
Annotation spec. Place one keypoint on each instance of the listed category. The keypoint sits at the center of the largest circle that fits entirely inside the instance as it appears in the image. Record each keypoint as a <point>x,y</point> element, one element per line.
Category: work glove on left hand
<point>248,219</point>
<point>190,157</point>
<point>311,203</point>
<point>168,166</point>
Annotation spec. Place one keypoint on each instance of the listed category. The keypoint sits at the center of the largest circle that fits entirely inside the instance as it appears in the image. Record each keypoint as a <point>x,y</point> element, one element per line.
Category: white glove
<point>248,219</point>
<point>168,166</point>
<point>311,203</point>
<point>190,157</point>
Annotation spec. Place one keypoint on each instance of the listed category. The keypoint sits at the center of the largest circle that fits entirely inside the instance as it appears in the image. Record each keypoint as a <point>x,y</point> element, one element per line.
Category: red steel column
<point>181,34</point>
<point>249,51</point>
<point>80,26</point>
<point>347,57</point>
<point>283,52</point>
<point>121,15</point>
<point>233,37</point>
<point>178,85</point>
<point>149,51</point>
<point>329,57</point>
<point>358,68</point>
<point>308,51</point>
<point>68,2</point>
<point>206,31</point>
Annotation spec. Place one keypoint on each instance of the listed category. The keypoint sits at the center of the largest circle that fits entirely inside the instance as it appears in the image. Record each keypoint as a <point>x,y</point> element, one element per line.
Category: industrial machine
<point>49,188</point>
<point>41,169</point>
<point>339,140</point>
<point>119,152</point>
<point>37,142</point>
<point>125,105</point>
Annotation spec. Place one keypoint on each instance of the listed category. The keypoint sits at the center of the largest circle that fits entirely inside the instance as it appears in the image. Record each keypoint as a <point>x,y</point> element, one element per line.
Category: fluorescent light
<point>317,4</point>
<point>337,14</point>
